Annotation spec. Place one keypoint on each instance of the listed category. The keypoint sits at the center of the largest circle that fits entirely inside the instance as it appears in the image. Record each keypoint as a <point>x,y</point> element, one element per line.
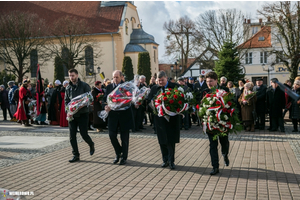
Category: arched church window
<point>33,62</point>
<point>126,26</point>
<point>89,61</point>
<point>133,21</point>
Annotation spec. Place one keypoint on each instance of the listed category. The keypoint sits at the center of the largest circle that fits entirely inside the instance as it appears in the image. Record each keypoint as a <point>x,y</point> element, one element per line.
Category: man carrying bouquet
<point>75,88</point>
<point>168,132</point>
<point>121,119</point>
<point>212,82</point>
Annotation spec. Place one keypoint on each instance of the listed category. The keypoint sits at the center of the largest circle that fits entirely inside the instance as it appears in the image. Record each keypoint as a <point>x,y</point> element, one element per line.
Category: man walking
<point>168,132</point>
<point>75,88</point>
<point>212,82</point>
<point>12,102</point>
<point>121,119</point>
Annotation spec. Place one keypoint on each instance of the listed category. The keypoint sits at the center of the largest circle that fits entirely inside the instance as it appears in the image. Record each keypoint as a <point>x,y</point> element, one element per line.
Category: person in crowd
<point>55,104</point>
<point>231,87</point>
<point>16,98</point>
<point>98,123</point>
<point>201,85</point>
<point>12,102</point>
<point>4,102</point>
<point>75,88</point>
<point>142,83</point>
<point>248,107</point>
<point>149,109</point>
<point>223,81</point>
<point>212,82</point>
<point>48,94</point>
<point>168,132</point>
<point>104,83</point>
<point>122,119</point>
<point>191,84</point>
<point>42,115</point>
<point>108,82</point>
<point>184,121</point>
<point>261,92</point>
<point>238,92</point>
<point>275,105</point>
<point>63,115</point>
<point>22,113</point>
<point>295,107</point>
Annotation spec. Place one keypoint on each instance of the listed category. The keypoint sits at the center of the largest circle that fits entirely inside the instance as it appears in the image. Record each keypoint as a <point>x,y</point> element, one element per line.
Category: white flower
<point>226,117</point>
<point>211,102</point>
<point>227,106</point>
<point>215,98</point>
<point>181,89</point>
<point>208,98</point>
<point>140,98</point>
<point>207,112</point>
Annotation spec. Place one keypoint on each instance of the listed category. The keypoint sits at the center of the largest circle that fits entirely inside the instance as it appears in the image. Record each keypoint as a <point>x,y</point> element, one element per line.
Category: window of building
<point>248,58</point>
<point>133,22</point>
<point>65,58</point>
<point>154,57</point>
<point>261,39</point>
<point>126,26</point>
<point>89,61</point>
<point>254,30</point>
<point>33,62</point>
<point>264,57</point>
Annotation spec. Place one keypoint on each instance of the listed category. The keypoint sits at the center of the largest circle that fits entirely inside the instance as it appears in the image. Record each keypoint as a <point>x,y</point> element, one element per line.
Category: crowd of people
<point>253,104</point>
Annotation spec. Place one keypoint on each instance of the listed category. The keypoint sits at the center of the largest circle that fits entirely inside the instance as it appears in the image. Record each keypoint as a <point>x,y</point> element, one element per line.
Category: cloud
<point>155,13</point>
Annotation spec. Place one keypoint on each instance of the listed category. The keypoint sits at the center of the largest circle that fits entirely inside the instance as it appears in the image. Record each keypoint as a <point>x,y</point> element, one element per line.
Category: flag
<point>39,90</point>
<point>102,75</point>
<point>288,91</point>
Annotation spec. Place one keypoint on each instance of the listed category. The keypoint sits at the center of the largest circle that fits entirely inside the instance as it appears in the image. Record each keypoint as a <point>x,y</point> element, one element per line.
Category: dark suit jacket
<point>167,132</point>
<point>122,118</point>
<point>207,91</point>
<point>198,89</point>
<point>275,102</point>
<point>261,93</point>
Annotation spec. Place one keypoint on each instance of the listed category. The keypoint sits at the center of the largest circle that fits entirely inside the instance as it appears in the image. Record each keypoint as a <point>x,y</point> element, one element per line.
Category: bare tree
<point>182,38</point>
<point>70,42</point>
<point>219,26</point>
<point>285,18</point>
<point>20,33</point>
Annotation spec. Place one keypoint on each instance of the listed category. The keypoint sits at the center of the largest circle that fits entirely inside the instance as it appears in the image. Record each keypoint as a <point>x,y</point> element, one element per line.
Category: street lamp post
<point>268,69</point>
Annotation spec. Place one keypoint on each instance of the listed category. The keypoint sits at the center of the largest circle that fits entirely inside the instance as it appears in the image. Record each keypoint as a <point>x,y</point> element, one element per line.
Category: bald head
<point>117,76</point>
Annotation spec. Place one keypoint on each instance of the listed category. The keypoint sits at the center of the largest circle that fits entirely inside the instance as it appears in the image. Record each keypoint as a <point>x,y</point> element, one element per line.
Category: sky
<point>153,14</point>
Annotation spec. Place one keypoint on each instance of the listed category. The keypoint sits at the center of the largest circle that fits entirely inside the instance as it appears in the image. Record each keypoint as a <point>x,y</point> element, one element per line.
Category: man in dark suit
<point>260,90</point>
<point>276,104</point>
<point>121,119</point>
<point>212,81</point>
<point>168,132</point>
<point>200,86</point>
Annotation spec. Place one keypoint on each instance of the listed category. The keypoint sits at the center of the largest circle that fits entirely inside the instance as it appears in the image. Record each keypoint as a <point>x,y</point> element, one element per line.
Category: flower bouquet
<point>172,102</point>
<point>140,96</point>
<point>216,112</point>
<point>32,109</point>
<point>100,96</point>
<point>77,103</point>
<point>249,95</point>
<point>120,98</point>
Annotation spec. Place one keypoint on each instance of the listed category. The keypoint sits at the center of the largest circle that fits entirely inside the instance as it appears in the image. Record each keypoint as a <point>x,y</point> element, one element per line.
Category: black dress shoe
<point>172,166</point>
<point>165,164</point>
<point>116,160</point>
<point>273,130</point>
<point>122,162</point>
<point>92,149</point>
<point>214,171</point>
<point>295,130</point>
<point>36,123</point>
<point>74,159</point>
<point>226,160</point>
<point>44,123</point>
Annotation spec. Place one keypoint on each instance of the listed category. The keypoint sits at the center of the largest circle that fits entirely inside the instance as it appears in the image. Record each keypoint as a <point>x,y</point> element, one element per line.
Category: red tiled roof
<point>253,42</point>
<point>99,19</point>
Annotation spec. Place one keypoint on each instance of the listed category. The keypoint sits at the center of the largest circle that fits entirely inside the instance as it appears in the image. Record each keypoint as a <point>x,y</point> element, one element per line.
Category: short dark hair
<point>161,74</point>
<point>73,71</point>
<point>211,75</point>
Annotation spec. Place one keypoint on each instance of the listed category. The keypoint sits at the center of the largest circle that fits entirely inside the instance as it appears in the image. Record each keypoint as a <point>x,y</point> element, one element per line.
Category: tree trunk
<point>20,73</point>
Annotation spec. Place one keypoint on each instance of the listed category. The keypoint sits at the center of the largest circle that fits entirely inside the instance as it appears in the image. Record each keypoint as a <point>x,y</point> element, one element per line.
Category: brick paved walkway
<point>262,166</point>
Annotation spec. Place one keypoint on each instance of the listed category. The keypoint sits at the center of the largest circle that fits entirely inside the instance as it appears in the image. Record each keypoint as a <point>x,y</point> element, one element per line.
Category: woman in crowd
<point>54,108</point>
<point>98,123</point>
<point>295,109</point>
<point>22,113</point>
<point>230,87</point>
<point>248,106</point>
<point>4,102</point>
<point>63,116</point>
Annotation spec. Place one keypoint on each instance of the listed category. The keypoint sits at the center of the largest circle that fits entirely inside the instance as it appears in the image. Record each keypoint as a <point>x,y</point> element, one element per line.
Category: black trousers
<point>213,150</point>
<point>295,123</point>
<point>124,139</point>
<point>168,152</point>
<point>261,120</point>
<point>277,121</point>
<point>184,122</point>
<point>82,121</point>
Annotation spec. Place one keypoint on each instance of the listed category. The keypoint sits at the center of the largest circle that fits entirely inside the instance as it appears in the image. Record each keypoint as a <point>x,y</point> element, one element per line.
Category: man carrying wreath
<point>168,132</point>
<point>212,82</point>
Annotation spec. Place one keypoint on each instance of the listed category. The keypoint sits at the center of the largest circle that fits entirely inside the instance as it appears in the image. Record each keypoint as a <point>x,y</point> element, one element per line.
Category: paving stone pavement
<point>263,165</point>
